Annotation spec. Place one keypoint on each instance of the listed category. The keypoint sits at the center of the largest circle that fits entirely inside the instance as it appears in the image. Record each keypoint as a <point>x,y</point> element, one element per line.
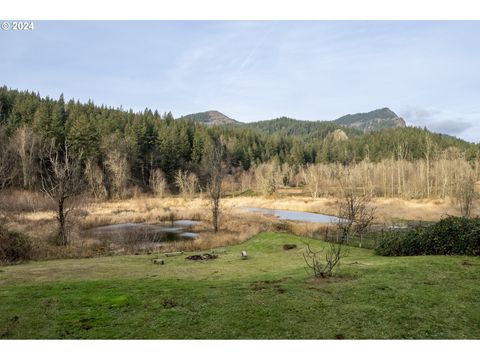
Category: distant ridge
<point>211,117</point>
<point>375,120</point>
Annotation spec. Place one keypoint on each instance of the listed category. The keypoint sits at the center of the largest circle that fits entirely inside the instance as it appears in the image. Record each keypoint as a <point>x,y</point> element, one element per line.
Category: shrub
<point>283,226</point>
<point>14,247</point>
<point>450,236</point>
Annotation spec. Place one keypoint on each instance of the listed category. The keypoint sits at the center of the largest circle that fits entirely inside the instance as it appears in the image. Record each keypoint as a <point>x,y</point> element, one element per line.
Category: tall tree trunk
<point>62,234</point>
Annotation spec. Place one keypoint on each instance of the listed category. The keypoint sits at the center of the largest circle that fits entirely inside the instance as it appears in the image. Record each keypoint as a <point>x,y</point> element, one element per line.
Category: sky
<point>425,71</point>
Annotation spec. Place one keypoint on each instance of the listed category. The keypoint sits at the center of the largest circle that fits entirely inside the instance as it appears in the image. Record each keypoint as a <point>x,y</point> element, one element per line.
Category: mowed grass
<point>268,296</point>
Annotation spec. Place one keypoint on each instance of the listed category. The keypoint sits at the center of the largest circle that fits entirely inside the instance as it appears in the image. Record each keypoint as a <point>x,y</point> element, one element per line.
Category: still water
<point>295,215</point>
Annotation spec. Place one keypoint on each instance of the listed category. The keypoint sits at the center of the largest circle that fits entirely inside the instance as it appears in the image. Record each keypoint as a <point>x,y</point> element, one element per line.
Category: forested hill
<point>351,124</point>
<point>211,117</point>
<point>146,141</point>
<point>372,121</point>
<point>293,127</point>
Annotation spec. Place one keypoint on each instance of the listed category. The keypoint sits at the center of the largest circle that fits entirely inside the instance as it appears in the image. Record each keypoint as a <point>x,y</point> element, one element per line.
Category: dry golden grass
<point>428,210</point>
<point>388,209</point>
<point>25,201</point>
<point>236,224</point>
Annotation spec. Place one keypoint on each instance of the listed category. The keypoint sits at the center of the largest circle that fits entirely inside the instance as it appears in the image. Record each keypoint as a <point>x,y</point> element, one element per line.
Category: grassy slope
<point>268,296</point>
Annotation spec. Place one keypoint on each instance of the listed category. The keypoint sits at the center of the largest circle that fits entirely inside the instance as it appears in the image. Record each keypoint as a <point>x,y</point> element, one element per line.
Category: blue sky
<point>427,72</point>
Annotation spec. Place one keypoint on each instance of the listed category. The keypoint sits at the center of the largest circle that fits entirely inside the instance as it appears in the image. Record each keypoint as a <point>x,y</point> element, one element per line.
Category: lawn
<point>268,296</point>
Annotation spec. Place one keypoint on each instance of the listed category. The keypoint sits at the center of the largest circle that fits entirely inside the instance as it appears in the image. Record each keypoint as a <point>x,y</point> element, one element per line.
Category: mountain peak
<point>211,117</point>
<point>371,121</point>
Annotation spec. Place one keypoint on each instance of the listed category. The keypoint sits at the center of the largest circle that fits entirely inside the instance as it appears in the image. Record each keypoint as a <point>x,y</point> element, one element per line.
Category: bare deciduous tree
<point>246,180</point>
<point>365,218</point>
<point>26,146</point>
<point>95,179</point>
<point>7,167</point>
<point>215,169</point>
<point>61,181</point>
<point>116,162</point>
<point>158,183</point>
<point>356,215</point>
<point>187,183</point>
<point>465,195</point>
<point>311,176</point>
<point>7,161</point>
<point>267,178</point>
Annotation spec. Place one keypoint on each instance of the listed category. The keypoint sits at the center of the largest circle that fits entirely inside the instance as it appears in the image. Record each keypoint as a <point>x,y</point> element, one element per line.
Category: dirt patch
<point>205,256</point>
<point>468,263</point>
<point>268,284</point>
<point>289,246</point>
<point>169,303</point>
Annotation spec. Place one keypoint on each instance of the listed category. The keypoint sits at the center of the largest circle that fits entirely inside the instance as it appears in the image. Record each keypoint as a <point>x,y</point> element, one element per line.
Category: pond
<point>295,215</point>
<point>142,232</point>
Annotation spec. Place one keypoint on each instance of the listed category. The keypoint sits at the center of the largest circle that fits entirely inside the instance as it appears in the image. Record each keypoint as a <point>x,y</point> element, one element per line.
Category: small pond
<point>142,232</point>
<point>295,215</point>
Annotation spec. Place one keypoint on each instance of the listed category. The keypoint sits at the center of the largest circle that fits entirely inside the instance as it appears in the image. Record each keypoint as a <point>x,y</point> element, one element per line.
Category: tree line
<point>121,149</point>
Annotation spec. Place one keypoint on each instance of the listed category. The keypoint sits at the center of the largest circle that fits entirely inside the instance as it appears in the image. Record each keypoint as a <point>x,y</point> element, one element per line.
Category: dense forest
<point>139,147</point>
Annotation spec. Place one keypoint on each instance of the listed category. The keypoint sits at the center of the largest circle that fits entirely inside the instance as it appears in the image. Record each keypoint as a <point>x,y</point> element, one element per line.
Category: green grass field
<point>268,296</point>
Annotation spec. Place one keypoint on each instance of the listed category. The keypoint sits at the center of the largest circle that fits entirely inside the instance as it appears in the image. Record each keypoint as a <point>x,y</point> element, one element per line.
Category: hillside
<point>293,127</point>
<point>372,121</point>
<point>211,117</point>
<point>351,124</point>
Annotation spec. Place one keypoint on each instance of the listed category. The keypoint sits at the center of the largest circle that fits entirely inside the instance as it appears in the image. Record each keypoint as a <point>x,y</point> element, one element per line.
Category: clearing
<point>268,296</point>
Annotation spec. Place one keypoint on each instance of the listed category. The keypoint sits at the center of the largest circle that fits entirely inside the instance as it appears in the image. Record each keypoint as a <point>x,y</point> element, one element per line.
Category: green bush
<point>14,247</point>
<point>450,236</point>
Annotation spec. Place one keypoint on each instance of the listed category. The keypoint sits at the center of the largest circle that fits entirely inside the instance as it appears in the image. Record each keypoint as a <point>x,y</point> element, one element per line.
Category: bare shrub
<point>324,262</point>
<point>14,247</point>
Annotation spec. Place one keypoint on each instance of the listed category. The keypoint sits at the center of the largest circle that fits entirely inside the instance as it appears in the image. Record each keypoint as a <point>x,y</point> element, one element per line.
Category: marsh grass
<point>34,216</point>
